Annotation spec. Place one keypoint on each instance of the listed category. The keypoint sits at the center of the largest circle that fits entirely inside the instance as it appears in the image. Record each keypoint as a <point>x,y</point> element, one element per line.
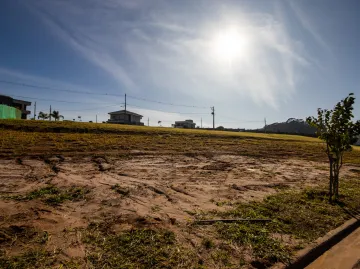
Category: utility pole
<point>265,125</point>
<point>35,111</point>
<point>96,118</point>
<point>126,120</point>
<point>213,114</point>
<point>201,123</point>
<point>50,114</point>
<point>148,121</point>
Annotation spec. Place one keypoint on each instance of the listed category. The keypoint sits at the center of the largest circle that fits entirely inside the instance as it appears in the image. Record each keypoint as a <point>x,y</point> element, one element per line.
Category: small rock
<point>104,166</point>
<point>173,221</point>
<point>53,159</point>
<point>239,188</point>
<point>141,219</point>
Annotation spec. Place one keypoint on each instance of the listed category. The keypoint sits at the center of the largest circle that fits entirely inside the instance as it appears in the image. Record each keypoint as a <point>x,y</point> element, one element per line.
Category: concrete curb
<point>309,254</point>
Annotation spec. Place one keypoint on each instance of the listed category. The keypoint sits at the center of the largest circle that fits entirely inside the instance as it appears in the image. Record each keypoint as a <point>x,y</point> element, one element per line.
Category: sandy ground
<point>162,189</point>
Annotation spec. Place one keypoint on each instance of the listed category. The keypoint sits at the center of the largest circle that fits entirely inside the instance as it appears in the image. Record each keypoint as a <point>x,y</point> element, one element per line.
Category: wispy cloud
<point>309,26</point>
<point>89,46</point>
<point>169,50</point>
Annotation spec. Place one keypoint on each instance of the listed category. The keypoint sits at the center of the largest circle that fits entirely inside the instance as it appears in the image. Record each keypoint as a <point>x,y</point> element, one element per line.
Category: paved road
<point>344,255</point>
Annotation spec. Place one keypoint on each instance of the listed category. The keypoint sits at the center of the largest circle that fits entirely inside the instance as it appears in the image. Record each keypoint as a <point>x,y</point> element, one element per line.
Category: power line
<point>184,113</point>
<point>52,100</point>
<point>235,120</point>
<point>52,89</point>
<point>91,108</point>
<point>163,103</point>
<point>248,121</point>
<point>92,93</point>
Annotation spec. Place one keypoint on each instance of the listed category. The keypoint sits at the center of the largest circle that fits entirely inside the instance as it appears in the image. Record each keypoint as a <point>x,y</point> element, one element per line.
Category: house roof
<point>123,112</point>
<point>16,101</point>
<point>185,121</point>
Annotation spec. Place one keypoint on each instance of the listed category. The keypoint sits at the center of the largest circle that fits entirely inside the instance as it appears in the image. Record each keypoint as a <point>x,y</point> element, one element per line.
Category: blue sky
<point>250,59</point>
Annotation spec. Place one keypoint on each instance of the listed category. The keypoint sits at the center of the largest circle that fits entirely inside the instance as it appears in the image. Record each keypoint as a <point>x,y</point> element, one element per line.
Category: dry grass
<point>83,127</point>
<point>39,138</point>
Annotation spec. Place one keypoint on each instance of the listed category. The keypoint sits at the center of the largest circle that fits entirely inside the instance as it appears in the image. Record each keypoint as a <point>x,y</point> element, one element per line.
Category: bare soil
<point>160,190</point>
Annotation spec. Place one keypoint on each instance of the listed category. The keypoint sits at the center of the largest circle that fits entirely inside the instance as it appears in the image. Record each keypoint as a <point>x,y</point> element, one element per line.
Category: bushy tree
<point>339,132</point>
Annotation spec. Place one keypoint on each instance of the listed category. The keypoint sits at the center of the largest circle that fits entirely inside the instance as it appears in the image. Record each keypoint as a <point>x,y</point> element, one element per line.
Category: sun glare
<point>230,45</point>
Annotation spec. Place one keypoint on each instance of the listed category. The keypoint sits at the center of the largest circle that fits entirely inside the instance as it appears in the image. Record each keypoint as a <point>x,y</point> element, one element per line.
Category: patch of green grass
<point>257,238</point>
<point>137,248</point>
<point>304,215</point>
<point>54,196</point>
<point>50,190</point>
<point>73,194</point>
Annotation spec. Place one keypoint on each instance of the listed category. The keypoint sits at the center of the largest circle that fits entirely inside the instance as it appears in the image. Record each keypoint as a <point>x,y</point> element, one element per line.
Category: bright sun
<point>229,45</point>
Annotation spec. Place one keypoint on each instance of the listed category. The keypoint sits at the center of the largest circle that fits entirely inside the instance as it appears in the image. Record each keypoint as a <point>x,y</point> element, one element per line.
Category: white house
<point>185,124</point>
<point>125,117</point>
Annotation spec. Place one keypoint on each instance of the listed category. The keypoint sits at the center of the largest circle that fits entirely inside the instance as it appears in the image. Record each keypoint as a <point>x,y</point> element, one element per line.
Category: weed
<point>44,238</point>
<point>19,161</point>
<point>53,196</point>
<point>155,208</point>
<point>21,235</point>
<point>221,256</point>
<point>51,190</point>
<point>222,203</point>
<point>207,243</point>
<point>191,213</point>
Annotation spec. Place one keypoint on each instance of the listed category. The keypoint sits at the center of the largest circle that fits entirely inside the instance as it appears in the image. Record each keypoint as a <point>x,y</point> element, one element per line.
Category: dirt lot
<point>159,190</point>
<point>129,201</point>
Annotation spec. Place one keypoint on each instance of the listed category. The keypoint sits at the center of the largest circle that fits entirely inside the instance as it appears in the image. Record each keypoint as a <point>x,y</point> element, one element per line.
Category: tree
<point>339,132</point>
<point>43,115</point>
<point>56,115</point>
